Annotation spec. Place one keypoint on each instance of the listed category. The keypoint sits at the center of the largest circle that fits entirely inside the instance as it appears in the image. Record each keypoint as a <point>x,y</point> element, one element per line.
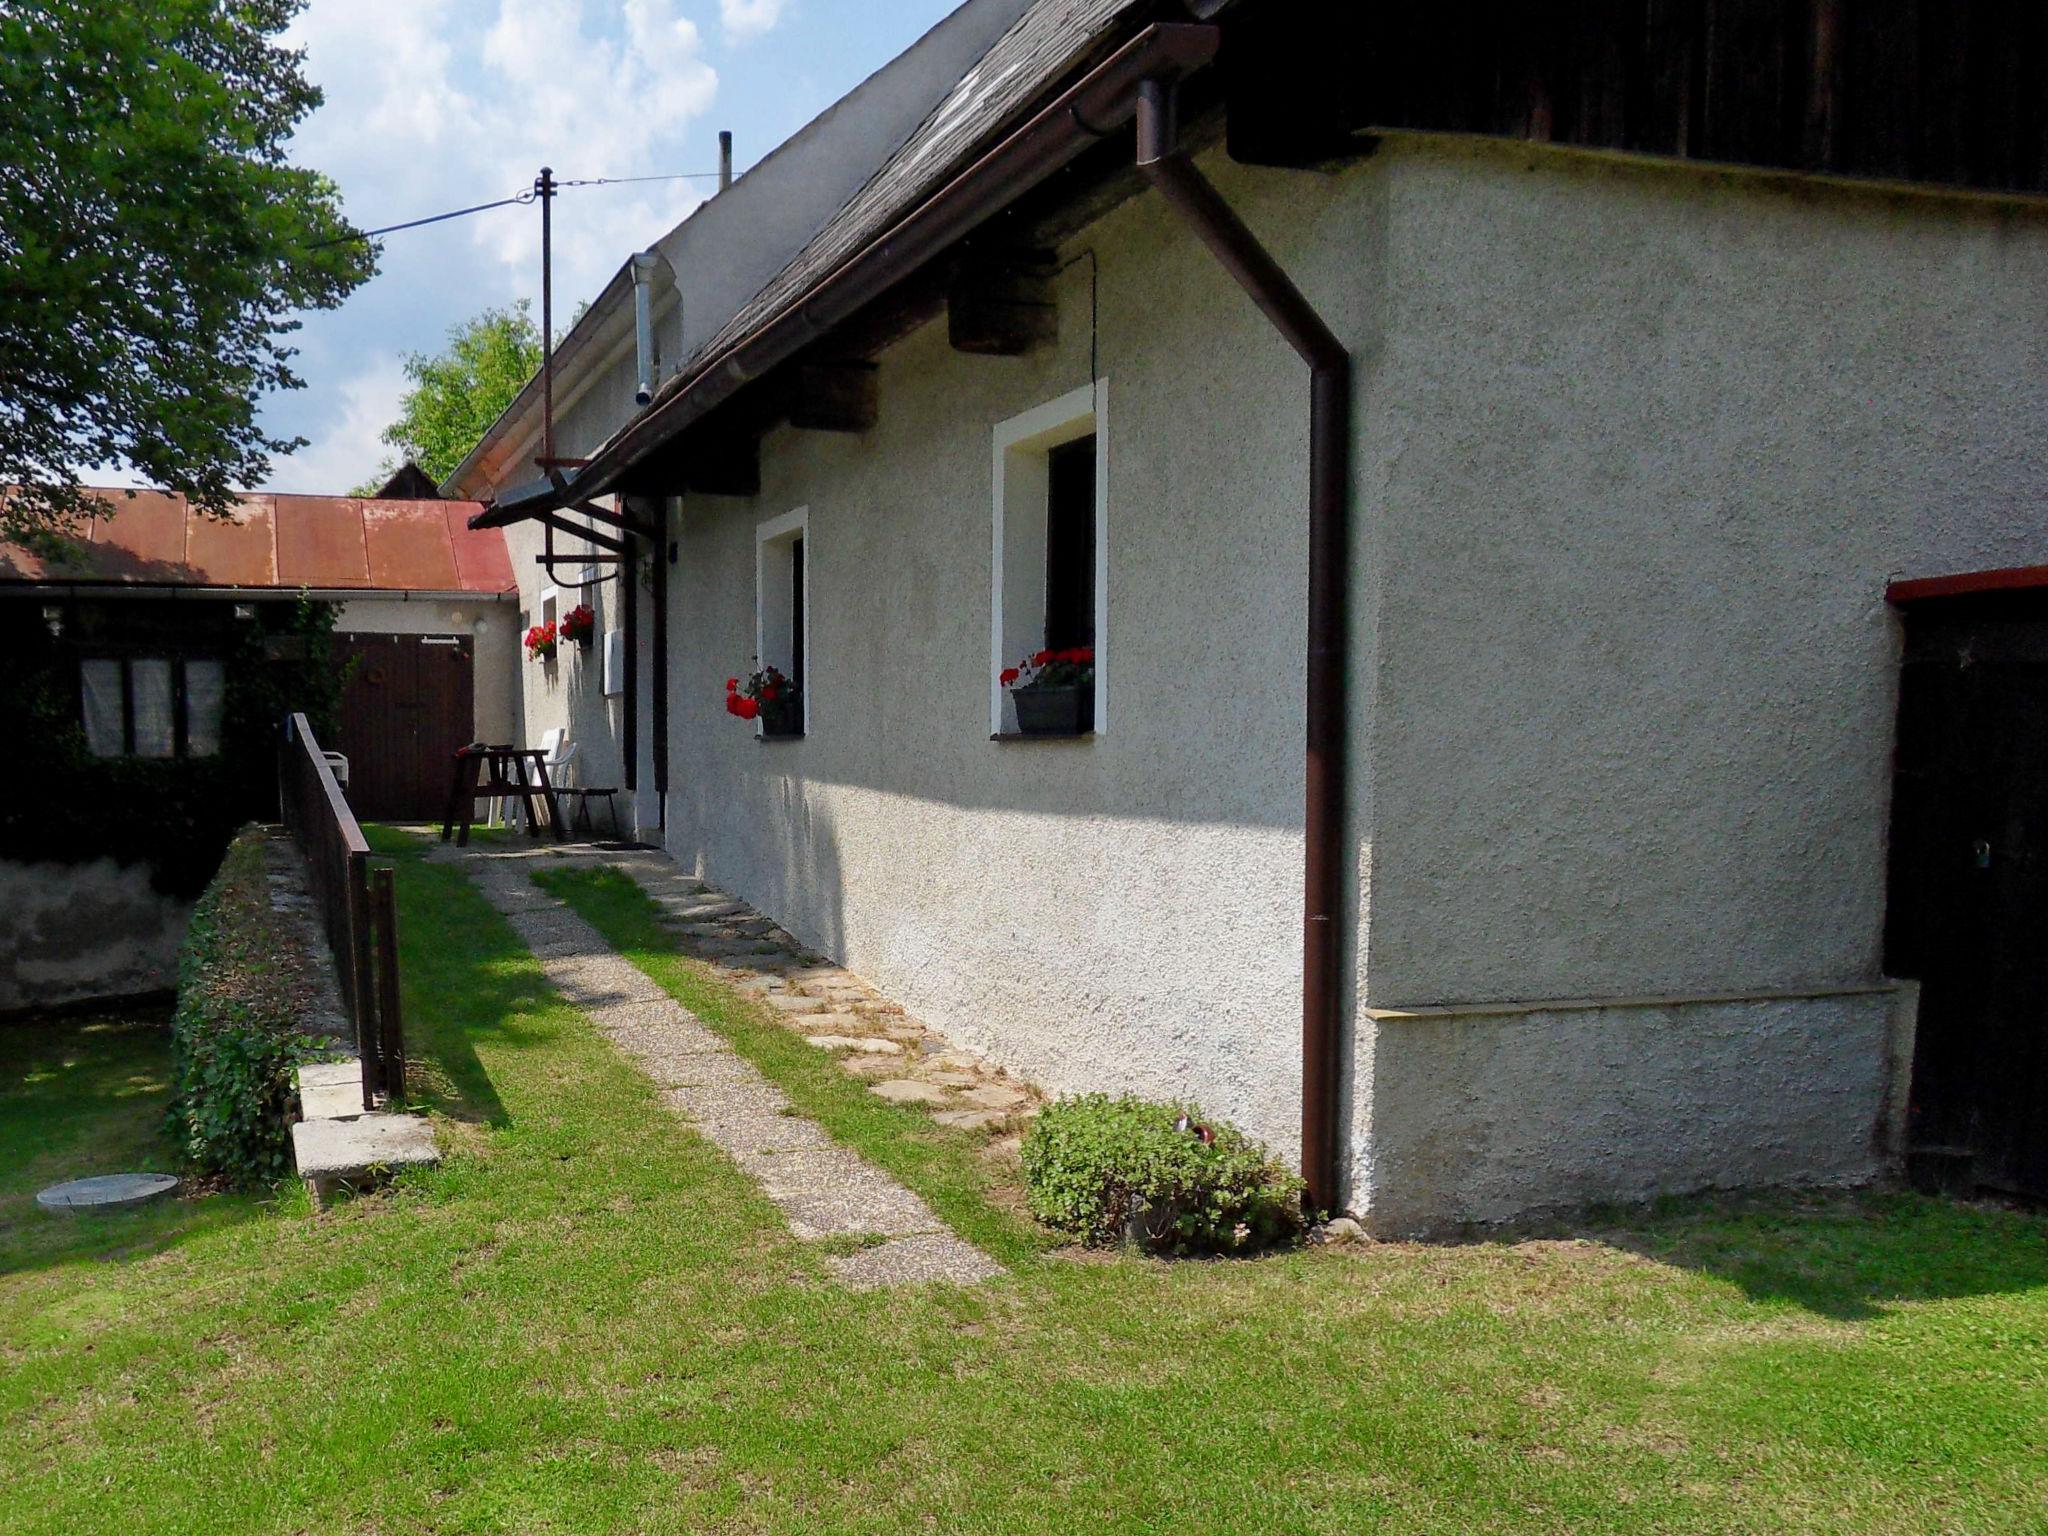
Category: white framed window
<point>782,615</point>
<point>151,706</point>
<point>1049,583</point>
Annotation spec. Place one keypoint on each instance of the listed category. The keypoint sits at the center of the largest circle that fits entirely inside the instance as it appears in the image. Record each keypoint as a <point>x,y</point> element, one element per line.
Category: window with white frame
<point>782,611</point>
<point>1050,564</point>
<point>151,706</point>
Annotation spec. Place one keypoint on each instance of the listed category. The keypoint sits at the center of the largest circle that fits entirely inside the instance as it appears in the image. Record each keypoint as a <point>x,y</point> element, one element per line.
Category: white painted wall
<point>1121,912</point>
<point>567,692</point>
<point>1638,447</point>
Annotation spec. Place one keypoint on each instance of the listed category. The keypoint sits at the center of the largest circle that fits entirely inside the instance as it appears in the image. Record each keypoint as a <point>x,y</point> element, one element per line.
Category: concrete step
<point>358,1154</point>
<point>331,1090</point>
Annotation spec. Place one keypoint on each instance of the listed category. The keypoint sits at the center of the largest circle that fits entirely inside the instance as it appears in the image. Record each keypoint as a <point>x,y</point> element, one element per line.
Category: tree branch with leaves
<point>155,245</point>
<point>458,393</point>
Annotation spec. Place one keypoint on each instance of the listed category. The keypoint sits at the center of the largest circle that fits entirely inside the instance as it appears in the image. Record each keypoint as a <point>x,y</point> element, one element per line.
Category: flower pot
<point>1064,711</point>
<point>784,717</point>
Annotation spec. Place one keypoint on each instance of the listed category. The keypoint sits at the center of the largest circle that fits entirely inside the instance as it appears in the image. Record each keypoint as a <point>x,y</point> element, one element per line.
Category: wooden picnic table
<point>499,772</point>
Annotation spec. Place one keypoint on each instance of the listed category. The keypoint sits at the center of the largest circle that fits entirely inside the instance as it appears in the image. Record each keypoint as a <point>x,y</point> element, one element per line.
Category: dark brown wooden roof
<point>1940,91</point>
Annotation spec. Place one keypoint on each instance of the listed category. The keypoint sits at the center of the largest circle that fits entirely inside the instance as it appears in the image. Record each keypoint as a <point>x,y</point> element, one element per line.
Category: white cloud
<point>749,18</point>
<point>349,450</point>
<point>433,105</point>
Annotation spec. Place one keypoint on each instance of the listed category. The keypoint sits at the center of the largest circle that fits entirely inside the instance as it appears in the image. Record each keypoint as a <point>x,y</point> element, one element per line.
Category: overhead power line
<point>526,196</point>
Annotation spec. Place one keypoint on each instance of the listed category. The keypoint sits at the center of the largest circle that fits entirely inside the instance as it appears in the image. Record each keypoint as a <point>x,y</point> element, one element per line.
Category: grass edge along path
<point>942,1165</point>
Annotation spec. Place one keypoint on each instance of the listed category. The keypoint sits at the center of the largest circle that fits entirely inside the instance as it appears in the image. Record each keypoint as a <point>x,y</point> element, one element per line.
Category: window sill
<point>762,738</point>
<point>1043,736</point>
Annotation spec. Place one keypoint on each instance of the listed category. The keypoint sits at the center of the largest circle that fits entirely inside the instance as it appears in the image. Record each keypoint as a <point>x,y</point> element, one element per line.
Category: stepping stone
<point>902,1090</point>
<point>836,1023</point>
<point>352,1154</point>
<point>970,1119</point>
<point>331,1090</point>
<point>872,1066</point>
<point>789,1002</point>
<point>855,1043</point>
<point>995,1096</point>
<point>952,1079</point>
<point>106,1192</point>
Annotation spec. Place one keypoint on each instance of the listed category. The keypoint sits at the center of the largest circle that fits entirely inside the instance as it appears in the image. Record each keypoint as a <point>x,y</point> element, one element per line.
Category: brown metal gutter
<point>1166,165</point>
<point>1102,102</point>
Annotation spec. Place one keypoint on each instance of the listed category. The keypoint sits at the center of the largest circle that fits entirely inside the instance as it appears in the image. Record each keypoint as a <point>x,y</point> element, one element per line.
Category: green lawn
<point>587,1321</point>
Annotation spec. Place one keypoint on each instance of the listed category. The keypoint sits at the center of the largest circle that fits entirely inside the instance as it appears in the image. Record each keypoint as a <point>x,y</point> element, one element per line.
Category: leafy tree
<point>457,395</point>
<point>153,245</point>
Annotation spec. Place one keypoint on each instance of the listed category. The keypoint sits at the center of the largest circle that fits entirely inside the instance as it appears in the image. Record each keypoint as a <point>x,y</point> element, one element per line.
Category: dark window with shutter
<point>1070,545</point>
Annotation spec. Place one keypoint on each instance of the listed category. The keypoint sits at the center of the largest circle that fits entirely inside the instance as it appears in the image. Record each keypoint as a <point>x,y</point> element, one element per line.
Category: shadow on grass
<point>1847,1256</point>
<point>465,978</point>
<point>84,1094</point>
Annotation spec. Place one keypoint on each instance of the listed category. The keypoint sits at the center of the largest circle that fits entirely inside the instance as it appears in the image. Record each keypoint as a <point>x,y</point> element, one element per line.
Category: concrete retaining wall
<point>79,932</point>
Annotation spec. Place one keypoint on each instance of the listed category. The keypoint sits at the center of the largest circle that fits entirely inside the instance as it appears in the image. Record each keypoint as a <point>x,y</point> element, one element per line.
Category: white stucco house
<point>1502,486</point>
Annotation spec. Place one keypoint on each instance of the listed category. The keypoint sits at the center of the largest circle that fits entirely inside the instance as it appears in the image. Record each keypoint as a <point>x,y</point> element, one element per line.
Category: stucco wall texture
<point>1638,447</point>
<point>1664,436</point>
<point>1118,913</point>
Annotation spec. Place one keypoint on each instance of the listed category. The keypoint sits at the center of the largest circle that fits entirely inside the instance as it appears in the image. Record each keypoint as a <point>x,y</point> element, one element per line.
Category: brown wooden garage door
<point>407,704</point>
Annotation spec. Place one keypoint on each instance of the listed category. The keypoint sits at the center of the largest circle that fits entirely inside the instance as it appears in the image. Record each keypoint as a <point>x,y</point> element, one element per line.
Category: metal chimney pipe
<point>724,158</point>
<point>644,263</point>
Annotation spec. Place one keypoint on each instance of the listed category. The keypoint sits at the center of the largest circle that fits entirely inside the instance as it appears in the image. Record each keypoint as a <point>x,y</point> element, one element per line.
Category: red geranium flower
<point>732,685</point>
<point>1008,676</point>
<point>1041,658</point>
<point>747,709</point>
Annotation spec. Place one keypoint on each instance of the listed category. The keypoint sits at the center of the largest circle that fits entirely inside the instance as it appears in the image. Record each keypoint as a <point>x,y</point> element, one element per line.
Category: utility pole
<point>544,189</point>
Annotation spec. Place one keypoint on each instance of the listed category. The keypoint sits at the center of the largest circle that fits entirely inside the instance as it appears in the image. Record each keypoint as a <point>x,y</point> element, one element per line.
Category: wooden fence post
<point>367,1040</point>
<point>389,1021</point>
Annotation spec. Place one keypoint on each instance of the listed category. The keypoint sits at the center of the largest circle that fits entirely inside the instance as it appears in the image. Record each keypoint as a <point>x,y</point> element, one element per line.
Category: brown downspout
<point>1190,195</point>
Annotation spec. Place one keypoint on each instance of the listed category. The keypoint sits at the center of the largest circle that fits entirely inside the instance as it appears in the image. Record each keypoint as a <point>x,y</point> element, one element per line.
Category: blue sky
<point>436,104</point>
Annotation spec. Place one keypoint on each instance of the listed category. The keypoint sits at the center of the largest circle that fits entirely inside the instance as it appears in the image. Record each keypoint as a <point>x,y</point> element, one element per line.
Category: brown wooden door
<point>1969,884</point>
<point>407,704</point>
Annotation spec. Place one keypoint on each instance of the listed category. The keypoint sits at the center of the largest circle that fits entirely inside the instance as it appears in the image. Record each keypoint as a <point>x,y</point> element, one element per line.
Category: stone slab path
<point>823,1189</point>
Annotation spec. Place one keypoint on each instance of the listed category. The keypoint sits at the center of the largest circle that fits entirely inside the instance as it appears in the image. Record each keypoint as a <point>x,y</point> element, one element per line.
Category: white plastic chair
<point>558,752</point>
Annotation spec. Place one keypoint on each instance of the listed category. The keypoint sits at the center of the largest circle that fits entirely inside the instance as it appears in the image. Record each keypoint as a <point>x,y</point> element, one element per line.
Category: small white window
<point>782,618</point>
<point>151,706</point>
<point>205,689</point>
<point>1050,567</point>
<point>150,702</point>
<point>106,716</point>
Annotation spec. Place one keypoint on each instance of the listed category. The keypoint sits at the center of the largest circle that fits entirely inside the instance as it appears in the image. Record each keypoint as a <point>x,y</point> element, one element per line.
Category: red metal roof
<point>152,538</point>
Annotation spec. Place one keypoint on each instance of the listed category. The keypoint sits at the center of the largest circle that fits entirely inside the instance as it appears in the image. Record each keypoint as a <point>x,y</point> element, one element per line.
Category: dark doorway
<point>1968,910</point>
<point>407,704</point>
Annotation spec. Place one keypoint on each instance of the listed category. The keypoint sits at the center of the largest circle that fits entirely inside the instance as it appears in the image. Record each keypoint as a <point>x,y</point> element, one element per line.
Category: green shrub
<point>236,1034</point>
<point>1086,1160</point>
